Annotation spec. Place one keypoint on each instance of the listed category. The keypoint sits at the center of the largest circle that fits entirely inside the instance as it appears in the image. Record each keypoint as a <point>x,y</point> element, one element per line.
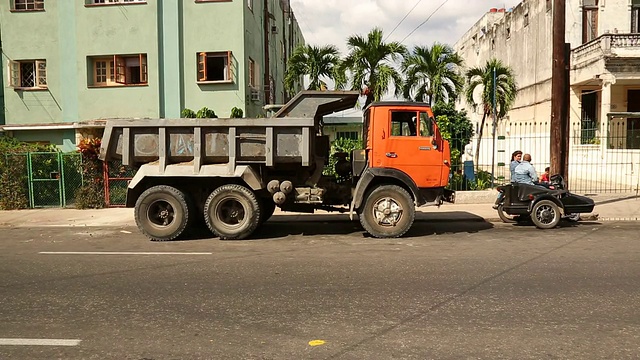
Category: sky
<point>330,22</point>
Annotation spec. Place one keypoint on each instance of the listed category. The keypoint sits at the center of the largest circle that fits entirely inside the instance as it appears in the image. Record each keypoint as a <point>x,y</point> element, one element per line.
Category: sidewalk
<point>468,207</point>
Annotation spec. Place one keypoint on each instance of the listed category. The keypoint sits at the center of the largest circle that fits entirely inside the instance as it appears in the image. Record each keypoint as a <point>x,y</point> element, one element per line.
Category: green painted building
<point>69,65</point>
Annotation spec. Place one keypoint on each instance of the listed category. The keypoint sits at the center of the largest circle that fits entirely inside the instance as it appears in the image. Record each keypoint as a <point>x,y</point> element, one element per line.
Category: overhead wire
<point>424,22</point>
<point>403,19</point>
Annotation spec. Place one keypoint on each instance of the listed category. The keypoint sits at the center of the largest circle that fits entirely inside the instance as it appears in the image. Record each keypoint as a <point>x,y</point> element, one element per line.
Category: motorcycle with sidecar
<point>545,204</point>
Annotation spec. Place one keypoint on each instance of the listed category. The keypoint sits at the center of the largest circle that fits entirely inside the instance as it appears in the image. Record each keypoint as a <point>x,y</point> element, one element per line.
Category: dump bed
<point>288,137</point>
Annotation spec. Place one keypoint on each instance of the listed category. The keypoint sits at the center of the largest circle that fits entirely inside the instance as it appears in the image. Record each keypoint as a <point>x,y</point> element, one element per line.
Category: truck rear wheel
<point>162,213</point>
<point>388,212</point>
<point>232,212</point>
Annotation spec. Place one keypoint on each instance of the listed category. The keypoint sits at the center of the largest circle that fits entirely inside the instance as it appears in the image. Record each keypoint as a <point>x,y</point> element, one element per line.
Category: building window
<point>214,67</point>
<point>27,5</point>
<point>526,19</point>
<point>588,121</point>
<point>29,74</point>
<point>508,31</point>
<point>118,70</point>
<point>252,73</point>
<point>635,16</point>
<point>353,135</point>
<point>589,20</point>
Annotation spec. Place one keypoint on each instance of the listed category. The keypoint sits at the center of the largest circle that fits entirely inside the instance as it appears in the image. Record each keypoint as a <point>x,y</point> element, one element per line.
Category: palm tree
<point>432,74</point>
<point>316,62</point>
<point>504,87</point>
<point>369,62</point>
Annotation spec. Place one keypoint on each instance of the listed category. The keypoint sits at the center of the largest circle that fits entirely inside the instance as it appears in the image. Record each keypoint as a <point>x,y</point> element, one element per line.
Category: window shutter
<point>229,68</point>
<point>121,69</point>
<point>143,69</point>
<point>14,73</point>
<point>41,73</point>
<point>202,66</point>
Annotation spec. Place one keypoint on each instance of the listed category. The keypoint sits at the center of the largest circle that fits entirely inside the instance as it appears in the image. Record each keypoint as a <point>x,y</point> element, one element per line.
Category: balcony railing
<point>604,46</point>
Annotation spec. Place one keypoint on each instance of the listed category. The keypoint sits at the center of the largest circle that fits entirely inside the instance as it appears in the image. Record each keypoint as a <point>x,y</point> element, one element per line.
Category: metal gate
<point>53,178</point>
<point>116,181</point>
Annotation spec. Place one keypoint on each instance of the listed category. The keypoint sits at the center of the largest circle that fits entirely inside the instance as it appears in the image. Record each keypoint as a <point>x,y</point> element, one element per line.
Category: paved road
<point>447,291</point>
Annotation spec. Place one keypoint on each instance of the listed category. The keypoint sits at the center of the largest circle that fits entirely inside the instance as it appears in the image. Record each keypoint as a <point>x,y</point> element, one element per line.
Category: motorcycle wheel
<point>506,218</point>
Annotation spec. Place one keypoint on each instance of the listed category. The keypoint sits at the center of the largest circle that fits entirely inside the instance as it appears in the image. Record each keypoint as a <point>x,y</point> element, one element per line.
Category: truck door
<point>410,147</point>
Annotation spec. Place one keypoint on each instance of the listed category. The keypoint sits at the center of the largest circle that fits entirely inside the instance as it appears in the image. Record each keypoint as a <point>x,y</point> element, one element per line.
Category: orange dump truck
<point>232,173</point>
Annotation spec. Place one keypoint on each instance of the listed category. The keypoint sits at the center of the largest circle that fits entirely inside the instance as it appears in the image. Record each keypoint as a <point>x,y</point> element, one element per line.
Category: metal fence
<point>602,159</point>
<point>43,179</point>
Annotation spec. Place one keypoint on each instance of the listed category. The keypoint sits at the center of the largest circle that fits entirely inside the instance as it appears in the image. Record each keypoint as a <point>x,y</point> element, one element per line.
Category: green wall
<point>170,33</point>
<point>63,139</point>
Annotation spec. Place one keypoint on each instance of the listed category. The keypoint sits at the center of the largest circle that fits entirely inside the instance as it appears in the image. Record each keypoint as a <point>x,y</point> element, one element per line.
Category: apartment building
<point>604,38</point>
<point>69,65</point>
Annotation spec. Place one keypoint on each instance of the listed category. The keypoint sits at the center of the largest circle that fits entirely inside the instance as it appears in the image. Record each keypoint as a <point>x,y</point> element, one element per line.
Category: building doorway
<point>633,125</point>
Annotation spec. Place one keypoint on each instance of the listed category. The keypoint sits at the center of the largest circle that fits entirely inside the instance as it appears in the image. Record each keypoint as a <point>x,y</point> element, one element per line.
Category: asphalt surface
<point>322,290</point>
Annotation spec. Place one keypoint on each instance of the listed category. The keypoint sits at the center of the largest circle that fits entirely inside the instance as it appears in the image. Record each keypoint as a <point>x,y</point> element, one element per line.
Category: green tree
<point>432,74</point>
<point>455,126</point>
<point>370,63</point>
<point>504,87</point>
<point>316,62</point>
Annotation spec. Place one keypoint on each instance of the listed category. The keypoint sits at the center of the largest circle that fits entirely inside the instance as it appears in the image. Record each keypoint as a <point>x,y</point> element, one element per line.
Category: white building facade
<point>604,36</point>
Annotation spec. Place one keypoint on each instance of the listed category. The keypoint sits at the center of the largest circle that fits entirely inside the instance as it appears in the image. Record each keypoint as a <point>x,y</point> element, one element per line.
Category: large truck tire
<point>232,212</point>
<point>388,212</point>
<point>268,207</point>
<point>162,213</point>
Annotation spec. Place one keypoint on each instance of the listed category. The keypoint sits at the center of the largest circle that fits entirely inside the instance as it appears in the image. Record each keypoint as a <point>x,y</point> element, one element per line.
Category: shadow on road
<point>280,226</point>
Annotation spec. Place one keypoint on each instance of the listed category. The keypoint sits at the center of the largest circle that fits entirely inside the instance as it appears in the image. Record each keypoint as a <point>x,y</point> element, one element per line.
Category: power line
<point>424,22</point>
<point>410,11</point>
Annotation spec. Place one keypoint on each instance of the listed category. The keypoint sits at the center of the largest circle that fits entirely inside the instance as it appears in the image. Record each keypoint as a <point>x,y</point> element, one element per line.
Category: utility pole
<point>495,124</point>
<point>559,94</point>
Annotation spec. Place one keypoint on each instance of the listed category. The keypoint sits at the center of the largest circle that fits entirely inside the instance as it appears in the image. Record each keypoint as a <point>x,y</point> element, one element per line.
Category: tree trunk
<point>484,117</point>
<point>369,100</point>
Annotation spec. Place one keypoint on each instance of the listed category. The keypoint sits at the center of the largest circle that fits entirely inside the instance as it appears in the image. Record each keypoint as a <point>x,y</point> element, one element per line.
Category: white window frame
<point>27,5</point>
<point>39,74</point>
<point>203,71</point>
<point>252,74</point>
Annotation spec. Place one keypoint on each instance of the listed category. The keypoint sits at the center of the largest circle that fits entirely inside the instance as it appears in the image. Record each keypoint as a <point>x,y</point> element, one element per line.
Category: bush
<point>188,114</point>
<point>91,194</point>
<point>206,113</point>
<point>236,113</point>
<point>340,145</point>
<point>14,176</point>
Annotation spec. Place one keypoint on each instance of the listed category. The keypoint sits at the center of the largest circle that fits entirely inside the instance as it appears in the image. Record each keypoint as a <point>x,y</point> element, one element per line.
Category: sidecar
<point>545,205</point>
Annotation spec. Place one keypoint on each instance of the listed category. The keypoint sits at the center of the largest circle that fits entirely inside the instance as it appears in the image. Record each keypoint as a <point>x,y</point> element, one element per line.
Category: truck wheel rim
<point>161,213</point>
<point>387,212</point>
<point>231,212</point>
<point>546,214</point>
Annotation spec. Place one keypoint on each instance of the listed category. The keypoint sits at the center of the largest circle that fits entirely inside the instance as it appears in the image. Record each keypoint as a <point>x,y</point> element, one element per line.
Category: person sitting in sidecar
<point>525,173</point>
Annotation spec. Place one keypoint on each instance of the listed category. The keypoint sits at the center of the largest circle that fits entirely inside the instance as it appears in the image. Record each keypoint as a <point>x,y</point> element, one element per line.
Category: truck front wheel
<point>388,212</point>
<point>162,213</point>
<point>232,212</point>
